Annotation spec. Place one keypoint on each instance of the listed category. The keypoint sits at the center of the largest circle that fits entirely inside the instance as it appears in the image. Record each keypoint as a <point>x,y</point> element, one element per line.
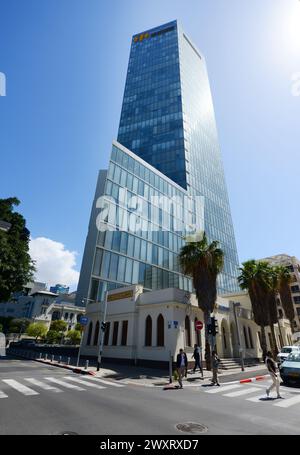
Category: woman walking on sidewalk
<point>271,365</point>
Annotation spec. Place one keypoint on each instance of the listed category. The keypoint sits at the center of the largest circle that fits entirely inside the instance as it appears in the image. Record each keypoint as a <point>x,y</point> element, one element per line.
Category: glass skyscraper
<point>168,145</point>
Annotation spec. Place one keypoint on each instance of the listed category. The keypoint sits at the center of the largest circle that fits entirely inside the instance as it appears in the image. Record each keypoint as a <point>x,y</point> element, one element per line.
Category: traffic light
<point>103,326</point>
<point>214,326</point>
<point>209,329</point>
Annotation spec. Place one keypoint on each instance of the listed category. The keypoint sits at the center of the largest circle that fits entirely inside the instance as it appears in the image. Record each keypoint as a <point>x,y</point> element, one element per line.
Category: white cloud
<point>54,263</point>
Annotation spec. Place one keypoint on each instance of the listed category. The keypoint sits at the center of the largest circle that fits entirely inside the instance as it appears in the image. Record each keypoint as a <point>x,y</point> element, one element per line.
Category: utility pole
<point>103,327</point>
<point>236,304</point>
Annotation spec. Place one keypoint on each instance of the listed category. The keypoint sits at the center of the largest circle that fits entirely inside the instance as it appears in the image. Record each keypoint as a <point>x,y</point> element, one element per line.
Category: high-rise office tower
<point>167,131</point>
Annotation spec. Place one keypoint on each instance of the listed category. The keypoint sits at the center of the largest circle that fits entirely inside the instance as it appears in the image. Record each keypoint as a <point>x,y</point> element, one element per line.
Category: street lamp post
<point>236,304</point>
<point>102,333</point>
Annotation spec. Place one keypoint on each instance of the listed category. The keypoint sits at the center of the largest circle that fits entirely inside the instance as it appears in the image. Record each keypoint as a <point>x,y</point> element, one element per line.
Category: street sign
<point>175,323</point>
<point>83,320</point>
<point>199,325</point>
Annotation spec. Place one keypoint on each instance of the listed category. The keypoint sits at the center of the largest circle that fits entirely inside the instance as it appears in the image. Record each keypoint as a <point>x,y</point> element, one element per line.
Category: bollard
<point>59,359</point>
<point>86,364</point>
<point>68,361</point>
<point>46,356</point>
<point>40,355</point>
<point>52,358</point>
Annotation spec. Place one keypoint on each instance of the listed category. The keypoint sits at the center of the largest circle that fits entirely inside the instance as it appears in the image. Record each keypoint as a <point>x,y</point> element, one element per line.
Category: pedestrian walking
<point>272,368</point>
<point>197,358</point>
<point>181,364</point>
<point>215,362</point>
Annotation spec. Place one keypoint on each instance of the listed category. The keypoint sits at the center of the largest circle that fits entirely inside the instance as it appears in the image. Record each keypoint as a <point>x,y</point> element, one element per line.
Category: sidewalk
<point>146,377</point>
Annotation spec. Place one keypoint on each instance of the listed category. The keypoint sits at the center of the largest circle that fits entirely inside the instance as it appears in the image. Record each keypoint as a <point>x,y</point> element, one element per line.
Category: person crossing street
<point>196,356</point>
<point>215,361</point>
<point>181,364</point>
<point>272,368</point>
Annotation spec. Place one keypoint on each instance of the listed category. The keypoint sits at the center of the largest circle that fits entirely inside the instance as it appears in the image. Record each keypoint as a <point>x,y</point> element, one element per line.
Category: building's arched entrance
<point>234,340</point>
<point>225,336</point>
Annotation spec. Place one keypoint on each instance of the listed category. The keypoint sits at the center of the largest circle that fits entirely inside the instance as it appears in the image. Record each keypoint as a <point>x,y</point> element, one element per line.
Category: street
<point>41,399</point>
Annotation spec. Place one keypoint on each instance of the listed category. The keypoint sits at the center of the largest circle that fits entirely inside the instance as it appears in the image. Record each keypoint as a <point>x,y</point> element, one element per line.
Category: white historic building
<point>149,327</point>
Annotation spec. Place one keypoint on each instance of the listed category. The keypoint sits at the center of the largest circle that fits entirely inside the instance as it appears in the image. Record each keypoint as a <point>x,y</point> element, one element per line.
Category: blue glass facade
<point>151,123</point>
<point>145,249</point>
<point>167,147</point>
<point>168,120</point>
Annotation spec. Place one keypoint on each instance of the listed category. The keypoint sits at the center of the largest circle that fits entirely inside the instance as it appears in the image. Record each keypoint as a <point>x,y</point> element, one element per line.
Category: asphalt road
<point>38,399</point>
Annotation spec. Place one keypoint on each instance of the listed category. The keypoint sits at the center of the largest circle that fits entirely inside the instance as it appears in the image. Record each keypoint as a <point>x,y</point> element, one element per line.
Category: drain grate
<point>191,427</point>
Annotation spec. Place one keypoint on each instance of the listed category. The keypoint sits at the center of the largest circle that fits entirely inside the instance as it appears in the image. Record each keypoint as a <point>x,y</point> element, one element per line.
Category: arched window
<point>246,338</point>
<point>187,331</point>
<point>197,334</point>
<point>250,338</point>
<point>160,331</point>
<point>224,337</point>
<point>89,334</point>
<point>96,335</point>
<point>148,331</point>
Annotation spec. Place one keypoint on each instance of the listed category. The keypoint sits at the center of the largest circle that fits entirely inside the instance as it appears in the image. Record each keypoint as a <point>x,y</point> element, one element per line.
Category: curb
<point>59,365</point>
<point>256,378</point>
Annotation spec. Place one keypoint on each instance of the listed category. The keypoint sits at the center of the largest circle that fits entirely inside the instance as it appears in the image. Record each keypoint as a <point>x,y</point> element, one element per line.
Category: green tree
<point>203,261</point>
<point>16,266</point>
<point>255,278</point>
<point>74,336</point>
<point>53,337</point>
<point>286,298</point>
<point>59,326</point>
<point>5,322</point>
<point>37,330</point>
<point>18,325</point>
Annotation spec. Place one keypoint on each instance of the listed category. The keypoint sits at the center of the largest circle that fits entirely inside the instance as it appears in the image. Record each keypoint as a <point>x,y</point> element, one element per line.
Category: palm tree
<point>285,293</point>
<point>254,279</point>
<point>273,284</point>
<point>203,261</point>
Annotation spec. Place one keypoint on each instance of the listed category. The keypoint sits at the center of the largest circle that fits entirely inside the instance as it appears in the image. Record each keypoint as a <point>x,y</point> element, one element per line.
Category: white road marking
<point>287,402</point>
<point>258,399</point>
<point>80,381</point>
<point>222,389</point>
<point>92,378</point>
<point>64,383</point>
<point>43,385</point>
<point>20,387</point>
<point>3,395</point>
<point>242,392</point>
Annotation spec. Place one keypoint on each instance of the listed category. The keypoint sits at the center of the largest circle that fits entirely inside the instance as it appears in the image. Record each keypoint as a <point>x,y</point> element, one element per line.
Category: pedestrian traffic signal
<point>103,326</point>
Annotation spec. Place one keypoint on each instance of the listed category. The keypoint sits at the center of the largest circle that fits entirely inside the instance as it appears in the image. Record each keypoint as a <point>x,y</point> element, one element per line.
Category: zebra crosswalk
<point>290,396</point>
<point>32,386</point>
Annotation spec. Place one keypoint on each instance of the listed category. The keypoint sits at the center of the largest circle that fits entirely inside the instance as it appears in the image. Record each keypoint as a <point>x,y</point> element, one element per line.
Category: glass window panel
<point>137,247</point>
<point>121,268</point>
<point>130,245</point>
<point>154,254</point>
<point>143,250</point>
<point>113,266</point>
<point>108,239</point>
<point>123,243</point>
<point>142,269</point>
<point>97,261</point>
<point>128,271</point>
<point>105,264</point>
<point>101,238</point>
<point>135,272</point>
<point>116,240</point>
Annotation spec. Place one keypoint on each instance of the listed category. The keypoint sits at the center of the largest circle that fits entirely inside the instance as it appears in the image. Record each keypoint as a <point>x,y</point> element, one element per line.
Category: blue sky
<point>65,63</point>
